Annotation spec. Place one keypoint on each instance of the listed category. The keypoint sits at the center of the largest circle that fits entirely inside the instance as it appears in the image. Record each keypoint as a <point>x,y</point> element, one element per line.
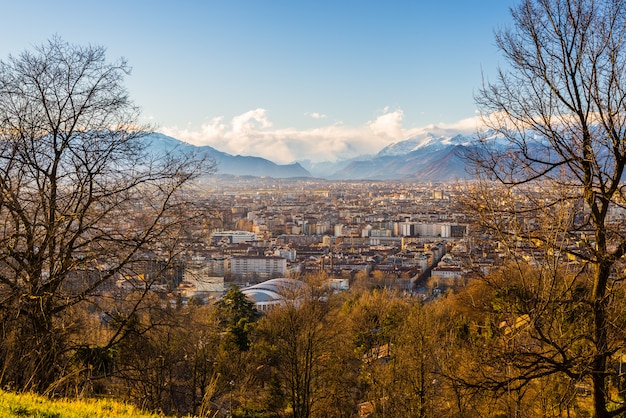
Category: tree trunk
<point>598,376</point>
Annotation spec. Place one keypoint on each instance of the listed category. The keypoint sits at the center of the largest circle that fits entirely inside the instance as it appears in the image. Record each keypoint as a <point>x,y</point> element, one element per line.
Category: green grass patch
<point>30,405</point>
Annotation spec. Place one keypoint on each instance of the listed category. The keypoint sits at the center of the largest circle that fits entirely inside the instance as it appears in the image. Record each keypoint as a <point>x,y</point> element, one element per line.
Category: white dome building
<point>273,292</point>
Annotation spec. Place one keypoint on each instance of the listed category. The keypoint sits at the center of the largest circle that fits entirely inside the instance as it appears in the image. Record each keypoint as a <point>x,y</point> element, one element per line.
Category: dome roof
<point>273,290</point>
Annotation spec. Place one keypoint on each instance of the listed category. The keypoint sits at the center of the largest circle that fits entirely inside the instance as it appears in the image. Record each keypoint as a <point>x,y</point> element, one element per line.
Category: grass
<point>30,405</point>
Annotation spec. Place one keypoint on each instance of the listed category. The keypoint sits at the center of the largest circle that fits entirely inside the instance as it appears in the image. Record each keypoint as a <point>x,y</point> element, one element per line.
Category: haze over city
<point>285,80</point>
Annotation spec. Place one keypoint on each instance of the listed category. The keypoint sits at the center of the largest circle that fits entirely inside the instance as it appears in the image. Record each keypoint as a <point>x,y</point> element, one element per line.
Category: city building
<point>232,237</point>
<point>249,267</point>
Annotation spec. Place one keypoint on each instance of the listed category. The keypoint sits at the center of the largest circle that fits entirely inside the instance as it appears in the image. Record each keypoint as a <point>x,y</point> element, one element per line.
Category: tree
<point>168,360</point>
<point>559,109</point>
<point>81,198</point>
<point>311,359</point>
<point>237,315</point>
<point>409,382</point>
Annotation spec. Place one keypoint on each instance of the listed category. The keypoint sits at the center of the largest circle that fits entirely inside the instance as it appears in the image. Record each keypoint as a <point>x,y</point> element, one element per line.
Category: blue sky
<point>285,80</point>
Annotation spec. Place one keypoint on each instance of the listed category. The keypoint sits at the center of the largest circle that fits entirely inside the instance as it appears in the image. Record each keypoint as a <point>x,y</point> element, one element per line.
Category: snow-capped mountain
<point>432,156</point>
<point>427,140</point>
<point>427,157</point>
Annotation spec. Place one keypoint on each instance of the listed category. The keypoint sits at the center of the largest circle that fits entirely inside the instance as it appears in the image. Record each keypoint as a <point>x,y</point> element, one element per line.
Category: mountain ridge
<point>239,165</point>
<point>431,156</point>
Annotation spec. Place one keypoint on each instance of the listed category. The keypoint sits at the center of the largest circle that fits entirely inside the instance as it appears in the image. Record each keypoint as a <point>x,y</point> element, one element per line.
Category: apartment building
<point>232,237</point>
<point>245,266</point>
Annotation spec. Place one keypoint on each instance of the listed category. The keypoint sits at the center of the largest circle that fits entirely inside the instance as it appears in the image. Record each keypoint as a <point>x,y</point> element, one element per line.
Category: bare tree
<point>80,198</point>
<point>311,361</point>
<point>559,107</point>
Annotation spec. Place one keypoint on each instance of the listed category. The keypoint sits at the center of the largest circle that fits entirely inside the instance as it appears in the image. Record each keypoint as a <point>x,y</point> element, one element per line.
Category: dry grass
<point>30,405</point>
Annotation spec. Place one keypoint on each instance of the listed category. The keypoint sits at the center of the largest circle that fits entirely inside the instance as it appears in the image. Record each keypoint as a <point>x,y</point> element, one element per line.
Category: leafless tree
<point>559,111</point>
<point>81,197</point>
<point>310,358</point>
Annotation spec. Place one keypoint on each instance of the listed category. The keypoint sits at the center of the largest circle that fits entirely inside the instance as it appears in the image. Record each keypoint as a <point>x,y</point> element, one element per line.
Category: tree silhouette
<point>558,113</point>
<point>81,197</point>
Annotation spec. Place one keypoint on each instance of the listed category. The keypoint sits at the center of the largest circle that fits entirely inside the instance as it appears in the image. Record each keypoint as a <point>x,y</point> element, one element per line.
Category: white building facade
<point>264,267</point>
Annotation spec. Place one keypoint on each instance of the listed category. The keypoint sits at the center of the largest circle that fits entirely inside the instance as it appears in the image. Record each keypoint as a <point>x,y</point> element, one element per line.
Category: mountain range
<point>426,157</point>
<point>237,165</point>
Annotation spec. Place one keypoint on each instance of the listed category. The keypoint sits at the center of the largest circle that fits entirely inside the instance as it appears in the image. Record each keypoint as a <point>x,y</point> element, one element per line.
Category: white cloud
<point>316,115</point>
<point>251,121</point>
<point>468,125</point>
<point>388,125</point>
<point>252,133</point>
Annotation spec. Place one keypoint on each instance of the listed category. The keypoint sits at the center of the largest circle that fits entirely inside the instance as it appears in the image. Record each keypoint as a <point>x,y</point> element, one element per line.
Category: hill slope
<point>237,165</point>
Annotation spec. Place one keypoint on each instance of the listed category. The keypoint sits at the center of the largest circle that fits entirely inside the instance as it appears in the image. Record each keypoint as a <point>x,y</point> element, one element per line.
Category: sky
<point>285,80</point>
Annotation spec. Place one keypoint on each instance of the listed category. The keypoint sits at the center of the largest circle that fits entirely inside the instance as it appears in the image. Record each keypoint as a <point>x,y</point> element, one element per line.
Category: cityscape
<point>405,236</point>
<point>325,209</point>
